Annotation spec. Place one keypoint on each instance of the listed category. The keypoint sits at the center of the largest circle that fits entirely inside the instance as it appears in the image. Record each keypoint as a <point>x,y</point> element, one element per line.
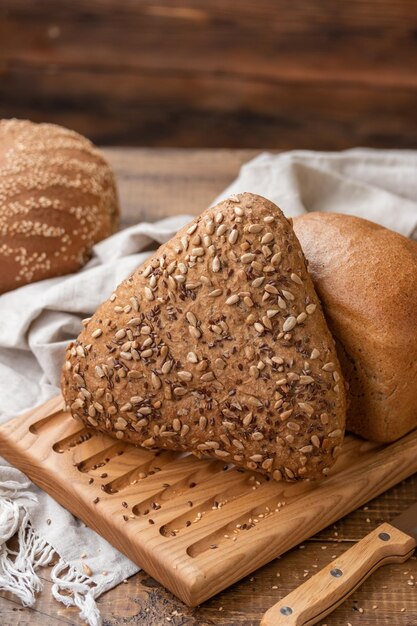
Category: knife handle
<point>323,592</point>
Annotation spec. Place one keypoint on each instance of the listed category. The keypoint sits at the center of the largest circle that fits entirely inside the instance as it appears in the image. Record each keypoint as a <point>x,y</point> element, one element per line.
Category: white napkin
<point>36,322</point>
<point>379,185</point>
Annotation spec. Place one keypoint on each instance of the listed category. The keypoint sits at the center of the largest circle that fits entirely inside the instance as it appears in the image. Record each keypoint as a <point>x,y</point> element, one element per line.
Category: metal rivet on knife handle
<point>286,610</point>
<point>384,536</point>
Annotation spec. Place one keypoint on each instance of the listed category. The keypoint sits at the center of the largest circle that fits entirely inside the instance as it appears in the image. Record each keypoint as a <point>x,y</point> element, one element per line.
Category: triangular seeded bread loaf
<point>217,345</point>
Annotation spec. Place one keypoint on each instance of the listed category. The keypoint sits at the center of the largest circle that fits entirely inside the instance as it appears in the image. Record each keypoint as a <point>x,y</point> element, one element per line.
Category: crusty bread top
<point>366,277</point>
<point>57,198</point>
<point>217,344</point>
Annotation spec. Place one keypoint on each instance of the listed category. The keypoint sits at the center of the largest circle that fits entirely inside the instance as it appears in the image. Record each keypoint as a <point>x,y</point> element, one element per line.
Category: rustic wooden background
<point>321,74</point>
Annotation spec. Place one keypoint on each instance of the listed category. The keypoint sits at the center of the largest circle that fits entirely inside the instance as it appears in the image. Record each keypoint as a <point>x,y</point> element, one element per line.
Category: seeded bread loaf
<point>217,345</point>
<point>57,199</point>
<point>366,278</point>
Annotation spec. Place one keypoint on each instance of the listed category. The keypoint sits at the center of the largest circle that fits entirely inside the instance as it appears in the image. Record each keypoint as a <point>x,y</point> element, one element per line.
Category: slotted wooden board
<point>197,526</point>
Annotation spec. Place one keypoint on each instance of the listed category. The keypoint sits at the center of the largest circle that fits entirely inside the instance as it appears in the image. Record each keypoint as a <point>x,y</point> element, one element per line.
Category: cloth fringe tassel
<point>18,567</point>
<point>75,589</point>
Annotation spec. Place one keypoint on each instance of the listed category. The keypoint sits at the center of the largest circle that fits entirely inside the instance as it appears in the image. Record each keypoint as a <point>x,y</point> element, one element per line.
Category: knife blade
<point>392,542</point>
<point>407,521</point>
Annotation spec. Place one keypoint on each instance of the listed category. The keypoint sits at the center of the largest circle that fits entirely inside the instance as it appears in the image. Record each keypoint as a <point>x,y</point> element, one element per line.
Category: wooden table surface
<point>157,183</point>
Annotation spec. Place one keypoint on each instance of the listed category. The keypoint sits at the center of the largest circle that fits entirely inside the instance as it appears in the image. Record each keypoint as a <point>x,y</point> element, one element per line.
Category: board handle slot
<point>177,489</point>
<point>76,439</point>
<point>211,505</point>
<point>242,524</point>
<point>101,458</point>
<point>39,425</point>
<point>151,465</point>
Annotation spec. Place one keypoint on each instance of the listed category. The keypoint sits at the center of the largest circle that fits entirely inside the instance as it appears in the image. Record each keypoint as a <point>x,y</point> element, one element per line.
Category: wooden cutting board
<point>195,525</point>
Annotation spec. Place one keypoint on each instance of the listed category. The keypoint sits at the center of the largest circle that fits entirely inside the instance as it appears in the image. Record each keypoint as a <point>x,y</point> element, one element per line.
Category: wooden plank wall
<point>323,74</point>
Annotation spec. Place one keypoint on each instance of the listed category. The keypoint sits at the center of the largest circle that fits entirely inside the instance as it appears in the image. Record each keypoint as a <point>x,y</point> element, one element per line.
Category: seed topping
<point>250,378</point>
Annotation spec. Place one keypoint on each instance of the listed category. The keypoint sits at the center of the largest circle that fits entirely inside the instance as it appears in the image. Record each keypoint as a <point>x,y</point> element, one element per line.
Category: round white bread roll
<point>58,198</point>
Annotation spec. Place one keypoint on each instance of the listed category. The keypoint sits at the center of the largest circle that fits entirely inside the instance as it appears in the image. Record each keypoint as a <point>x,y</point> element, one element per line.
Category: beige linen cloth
<point>36,322</point>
